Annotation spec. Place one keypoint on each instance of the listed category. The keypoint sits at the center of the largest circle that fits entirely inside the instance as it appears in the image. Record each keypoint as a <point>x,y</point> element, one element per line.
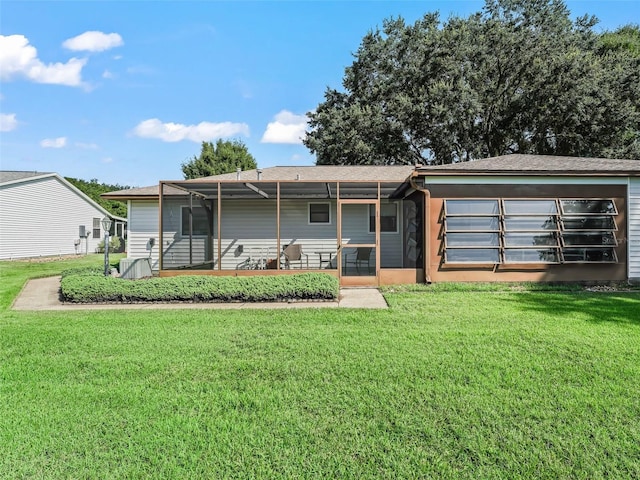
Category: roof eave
<point>528,173</point>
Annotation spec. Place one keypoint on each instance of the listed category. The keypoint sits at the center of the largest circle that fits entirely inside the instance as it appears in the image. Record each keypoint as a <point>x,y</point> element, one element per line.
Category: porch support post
<point>219,226</point>
<point>160,240</point>
<point>378,236</point>
<point>339,230</point>
<point>278,226</point>
<point>190,229</point>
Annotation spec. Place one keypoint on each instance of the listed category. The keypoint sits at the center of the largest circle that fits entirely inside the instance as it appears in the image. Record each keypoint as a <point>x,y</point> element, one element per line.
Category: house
<point>42,214</point>
<point>509,218</point>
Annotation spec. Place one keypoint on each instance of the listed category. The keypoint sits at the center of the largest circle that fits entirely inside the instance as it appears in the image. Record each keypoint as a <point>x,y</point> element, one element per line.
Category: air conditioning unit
<point>133,268</point>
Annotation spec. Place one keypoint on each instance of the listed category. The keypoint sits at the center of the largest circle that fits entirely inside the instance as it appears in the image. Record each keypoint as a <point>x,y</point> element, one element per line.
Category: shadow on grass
<point>595,307</point>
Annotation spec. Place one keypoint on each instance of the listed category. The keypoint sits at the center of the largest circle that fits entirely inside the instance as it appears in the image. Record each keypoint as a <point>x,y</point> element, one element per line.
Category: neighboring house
<point>42,214</point>
<point>510,218</point>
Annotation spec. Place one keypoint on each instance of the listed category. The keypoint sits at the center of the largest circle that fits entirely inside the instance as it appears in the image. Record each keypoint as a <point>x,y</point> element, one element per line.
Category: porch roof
<point>300,181</point>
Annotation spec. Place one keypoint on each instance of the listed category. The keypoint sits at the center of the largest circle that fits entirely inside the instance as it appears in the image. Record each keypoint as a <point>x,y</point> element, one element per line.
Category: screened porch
<point>363,232</point>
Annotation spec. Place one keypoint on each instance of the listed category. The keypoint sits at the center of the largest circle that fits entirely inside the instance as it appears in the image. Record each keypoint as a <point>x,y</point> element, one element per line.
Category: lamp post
<point>106,226</point>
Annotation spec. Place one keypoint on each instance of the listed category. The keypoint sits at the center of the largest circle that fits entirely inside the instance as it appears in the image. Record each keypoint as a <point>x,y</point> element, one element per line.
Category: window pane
<point>471,207</point>
<point>96,228</point>
<point>472,223</point>
<point>589,255</point>
<point>472,255</point>
<point>588,223</point>
<point>530,223</point>
<point>532,207</point>
<point>319,213</point>
<point>530,255</point>
<point>200,222</point>
<point>587,239</point>
<point>530,239</point>
<point>388,217</point>
<point>472,239</point>
<point>588,206</point>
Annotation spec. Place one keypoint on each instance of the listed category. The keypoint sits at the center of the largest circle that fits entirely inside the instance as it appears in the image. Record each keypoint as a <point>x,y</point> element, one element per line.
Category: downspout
<point>426,227</point>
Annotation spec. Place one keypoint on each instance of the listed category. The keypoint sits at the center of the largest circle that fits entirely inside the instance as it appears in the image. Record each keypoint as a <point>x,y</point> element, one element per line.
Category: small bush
<point>115,245</point>
<point>90,286</point>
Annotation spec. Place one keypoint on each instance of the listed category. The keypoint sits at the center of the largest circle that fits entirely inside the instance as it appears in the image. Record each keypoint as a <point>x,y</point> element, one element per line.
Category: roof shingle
<point>537,164</point>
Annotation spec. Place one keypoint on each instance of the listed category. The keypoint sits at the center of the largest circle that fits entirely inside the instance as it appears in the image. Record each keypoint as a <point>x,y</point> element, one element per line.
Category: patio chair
<point>293,254</point>
<point>361,256</point>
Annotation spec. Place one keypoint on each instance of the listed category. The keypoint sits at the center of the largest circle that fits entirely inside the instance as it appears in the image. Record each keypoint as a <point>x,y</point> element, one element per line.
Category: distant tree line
<point>518,77</point>
<point>93,189</point>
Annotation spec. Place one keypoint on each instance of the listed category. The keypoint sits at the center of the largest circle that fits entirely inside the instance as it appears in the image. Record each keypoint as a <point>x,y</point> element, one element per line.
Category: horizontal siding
<point>143,225</point>
<point>634,228</point>
<point>249,228</point>
<point>42,218</point>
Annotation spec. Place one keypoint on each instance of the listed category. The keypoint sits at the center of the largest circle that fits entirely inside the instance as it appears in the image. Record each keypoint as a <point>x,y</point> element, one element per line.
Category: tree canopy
<point>93,189</point>
<point>518,77</point>
<point>223,157</point>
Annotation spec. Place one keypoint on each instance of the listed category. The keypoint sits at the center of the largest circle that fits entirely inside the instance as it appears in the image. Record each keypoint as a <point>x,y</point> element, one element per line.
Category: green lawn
<point>444,384</point>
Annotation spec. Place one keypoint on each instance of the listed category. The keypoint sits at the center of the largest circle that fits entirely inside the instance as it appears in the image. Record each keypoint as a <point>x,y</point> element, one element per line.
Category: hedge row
<point>90,286</point>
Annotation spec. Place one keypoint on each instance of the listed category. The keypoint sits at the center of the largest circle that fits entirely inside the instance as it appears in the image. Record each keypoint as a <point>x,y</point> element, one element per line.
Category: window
<point>388,218</point>
<point>588,207</point>
<point>96,228</point>
<point>319,213</point>
<point>589,230</point>
<point>200,221</point>
<point>472,231</point>
<point>529,231</point>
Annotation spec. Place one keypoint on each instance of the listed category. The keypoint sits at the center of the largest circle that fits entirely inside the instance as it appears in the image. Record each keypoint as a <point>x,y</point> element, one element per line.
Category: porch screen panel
<point>248,225</point>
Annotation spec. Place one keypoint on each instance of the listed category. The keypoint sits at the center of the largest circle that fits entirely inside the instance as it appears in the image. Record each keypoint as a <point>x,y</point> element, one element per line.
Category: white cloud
<point>176,132</point>
<point>54,142</point>
<point>140,70</point>
<point>19,59</point>
<point>287,128</point>
<point>107,74</point>
<point>107,160</point>
<point>8,122</point>
<point>87,146</point>
<point>93,42</point>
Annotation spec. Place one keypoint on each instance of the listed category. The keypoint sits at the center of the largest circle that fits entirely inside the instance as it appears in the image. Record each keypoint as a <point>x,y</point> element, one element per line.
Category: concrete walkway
<point>43,294</point>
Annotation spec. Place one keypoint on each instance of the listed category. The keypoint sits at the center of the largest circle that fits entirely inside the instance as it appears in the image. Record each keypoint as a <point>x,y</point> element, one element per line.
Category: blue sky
<point>126,91</point>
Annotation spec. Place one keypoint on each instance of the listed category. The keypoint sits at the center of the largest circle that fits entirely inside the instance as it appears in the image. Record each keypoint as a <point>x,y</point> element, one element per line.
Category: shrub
<point>90,286</point>
<point>115,245</point>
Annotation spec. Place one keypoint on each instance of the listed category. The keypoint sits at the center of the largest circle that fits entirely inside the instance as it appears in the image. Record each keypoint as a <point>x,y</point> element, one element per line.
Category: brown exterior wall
<point>589,272</point>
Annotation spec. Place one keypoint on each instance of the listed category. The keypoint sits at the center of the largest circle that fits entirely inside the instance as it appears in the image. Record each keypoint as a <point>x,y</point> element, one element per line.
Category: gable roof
<point>518,164</point>
<point>14,176</point>
<point>9,178</point>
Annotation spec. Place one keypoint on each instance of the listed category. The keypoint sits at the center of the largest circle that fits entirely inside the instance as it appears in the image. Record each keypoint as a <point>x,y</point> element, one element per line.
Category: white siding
<point>143,225</point>
<point>634,229</point>
<point>41,217</point>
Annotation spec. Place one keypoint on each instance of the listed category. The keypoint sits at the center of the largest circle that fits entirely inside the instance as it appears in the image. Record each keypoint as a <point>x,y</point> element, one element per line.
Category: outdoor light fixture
<point>106,226</point>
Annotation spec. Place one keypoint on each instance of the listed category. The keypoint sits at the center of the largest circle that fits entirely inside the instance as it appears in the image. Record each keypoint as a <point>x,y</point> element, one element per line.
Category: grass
<point>451,384</point>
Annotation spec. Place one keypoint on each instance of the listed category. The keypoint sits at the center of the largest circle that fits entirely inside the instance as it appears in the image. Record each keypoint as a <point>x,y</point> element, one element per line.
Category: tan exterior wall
<point>589,272</point>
